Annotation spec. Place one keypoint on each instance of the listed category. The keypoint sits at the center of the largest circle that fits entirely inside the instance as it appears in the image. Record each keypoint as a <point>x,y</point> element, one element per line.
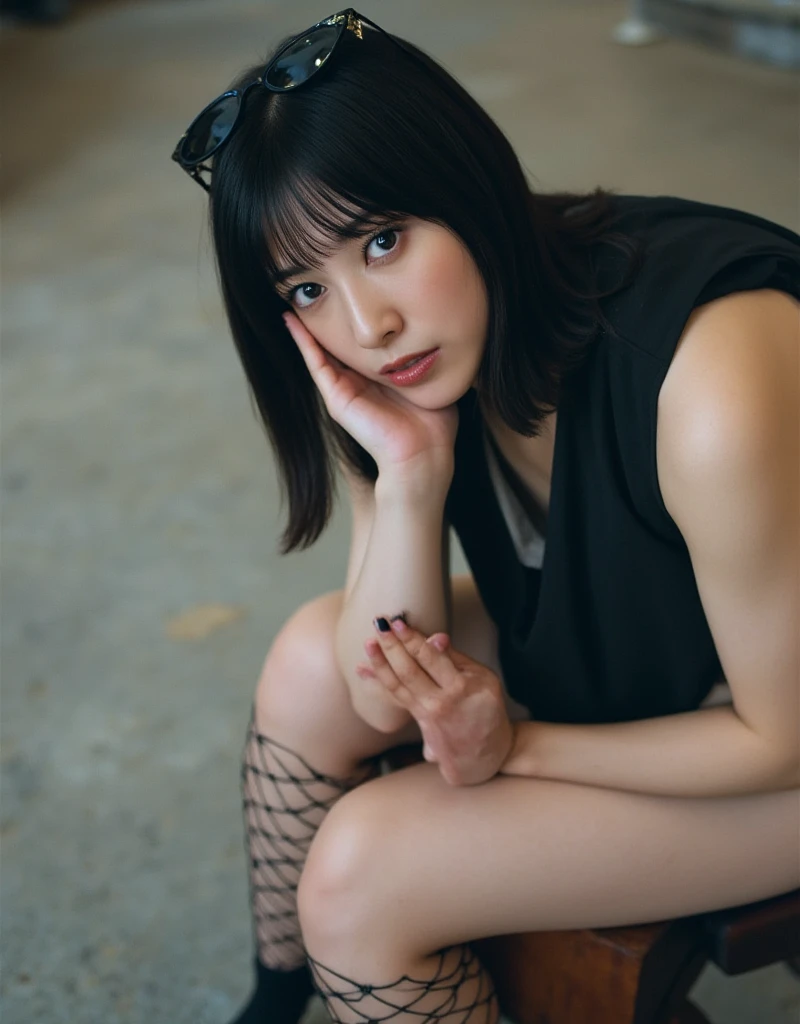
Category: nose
<point>374,317</point>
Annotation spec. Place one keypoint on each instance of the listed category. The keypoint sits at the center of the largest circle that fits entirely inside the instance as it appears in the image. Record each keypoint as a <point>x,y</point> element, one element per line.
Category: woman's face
<point>406,288</point>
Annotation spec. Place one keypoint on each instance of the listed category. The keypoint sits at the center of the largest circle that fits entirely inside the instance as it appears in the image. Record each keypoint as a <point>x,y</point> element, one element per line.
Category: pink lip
<point>415,373</point>
<point>391,367</point>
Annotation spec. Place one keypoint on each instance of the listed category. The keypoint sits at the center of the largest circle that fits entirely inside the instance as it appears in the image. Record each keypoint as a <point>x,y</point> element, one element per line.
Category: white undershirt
<point>528,542</point>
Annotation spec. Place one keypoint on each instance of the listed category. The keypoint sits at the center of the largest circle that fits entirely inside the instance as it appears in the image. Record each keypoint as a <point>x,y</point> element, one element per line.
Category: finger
<point>461,660</point>
<point>405,666</point>
<point>396,693</point>
<point>441,641</point>
<point>383,673</point>
<point>338,384</point>
<point>431,653</point>
<point>428,753</point>
<point>316,356</point>
<point>312,352</point>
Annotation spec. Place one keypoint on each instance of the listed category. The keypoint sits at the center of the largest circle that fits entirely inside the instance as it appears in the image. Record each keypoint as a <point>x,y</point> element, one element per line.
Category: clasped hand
<point>458,702</point>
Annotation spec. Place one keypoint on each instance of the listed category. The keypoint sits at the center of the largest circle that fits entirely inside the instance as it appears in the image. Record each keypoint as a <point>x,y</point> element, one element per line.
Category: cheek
<point>451,285</point>
<point>328,330</point>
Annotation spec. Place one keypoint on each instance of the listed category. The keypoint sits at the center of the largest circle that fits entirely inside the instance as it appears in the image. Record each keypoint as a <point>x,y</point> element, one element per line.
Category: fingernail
<point>381,624</point>
<point>399,624</point>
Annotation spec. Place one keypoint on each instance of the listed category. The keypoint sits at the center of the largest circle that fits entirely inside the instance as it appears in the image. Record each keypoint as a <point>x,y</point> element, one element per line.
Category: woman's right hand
<point>401,437</point>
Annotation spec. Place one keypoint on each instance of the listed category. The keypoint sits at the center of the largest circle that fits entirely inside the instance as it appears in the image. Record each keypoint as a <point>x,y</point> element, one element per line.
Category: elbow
<point>372,703</point>
<point>378,713</point>
<point>369,699</point>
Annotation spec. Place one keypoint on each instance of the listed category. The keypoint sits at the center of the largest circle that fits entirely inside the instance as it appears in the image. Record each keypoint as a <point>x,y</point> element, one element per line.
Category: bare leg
<point>305,749</point>
<point>285,800</point>
<point>408,869</point>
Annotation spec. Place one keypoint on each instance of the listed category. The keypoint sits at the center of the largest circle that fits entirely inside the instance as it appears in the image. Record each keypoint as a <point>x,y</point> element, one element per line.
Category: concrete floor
<point>141,584</point>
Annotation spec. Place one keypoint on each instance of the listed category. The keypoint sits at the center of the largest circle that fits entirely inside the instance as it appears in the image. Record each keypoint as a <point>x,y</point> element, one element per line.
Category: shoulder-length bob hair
<point>385,130</point>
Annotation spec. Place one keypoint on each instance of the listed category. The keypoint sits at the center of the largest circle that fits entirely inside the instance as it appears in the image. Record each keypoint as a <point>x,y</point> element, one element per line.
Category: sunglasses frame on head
<point>230,104</point>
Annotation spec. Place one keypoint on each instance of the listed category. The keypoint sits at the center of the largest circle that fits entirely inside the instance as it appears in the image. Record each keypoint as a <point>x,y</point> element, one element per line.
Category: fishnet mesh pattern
<point>285,801</point>
<point>460,991</point>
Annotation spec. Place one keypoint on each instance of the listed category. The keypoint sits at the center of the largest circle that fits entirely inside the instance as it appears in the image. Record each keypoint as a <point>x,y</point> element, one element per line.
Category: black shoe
<point>280,997</point>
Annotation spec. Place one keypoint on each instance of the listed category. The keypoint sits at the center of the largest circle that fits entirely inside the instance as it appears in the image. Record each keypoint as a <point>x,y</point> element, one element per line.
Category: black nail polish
<point>382,625</point>
<point>394,618</point>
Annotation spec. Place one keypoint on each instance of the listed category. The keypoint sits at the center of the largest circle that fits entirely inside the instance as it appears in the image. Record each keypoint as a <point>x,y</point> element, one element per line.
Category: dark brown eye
<point>382,243</point>
<point>305,294</point>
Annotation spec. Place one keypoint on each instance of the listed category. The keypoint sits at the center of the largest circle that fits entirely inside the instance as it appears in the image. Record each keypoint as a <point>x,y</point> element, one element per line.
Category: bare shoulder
<point>732,389</point>
<point>728,452</point>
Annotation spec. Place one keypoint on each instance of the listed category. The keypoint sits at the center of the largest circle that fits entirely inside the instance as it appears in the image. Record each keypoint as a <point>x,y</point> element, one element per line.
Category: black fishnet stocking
<point>285,801</point>
<point>459,991</point>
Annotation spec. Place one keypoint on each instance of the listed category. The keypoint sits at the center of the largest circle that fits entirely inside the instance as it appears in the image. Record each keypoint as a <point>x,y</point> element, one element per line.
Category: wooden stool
<point>636,975</point>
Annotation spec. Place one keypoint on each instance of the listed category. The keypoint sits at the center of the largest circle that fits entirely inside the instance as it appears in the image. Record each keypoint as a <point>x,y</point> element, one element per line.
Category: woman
<point>608,704</point>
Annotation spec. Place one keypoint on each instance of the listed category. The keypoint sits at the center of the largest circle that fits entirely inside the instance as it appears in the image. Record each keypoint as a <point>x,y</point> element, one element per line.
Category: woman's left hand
<point>458,702</point>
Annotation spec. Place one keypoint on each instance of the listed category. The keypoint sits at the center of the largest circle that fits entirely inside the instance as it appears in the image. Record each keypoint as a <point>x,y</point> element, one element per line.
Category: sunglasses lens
<point>301,58</point>
<point>210,129</point>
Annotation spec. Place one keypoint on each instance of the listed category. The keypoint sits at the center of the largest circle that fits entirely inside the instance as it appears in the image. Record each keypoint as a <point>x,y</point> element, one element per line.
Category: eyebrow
<point>283,275</point>
<point>357,227</point>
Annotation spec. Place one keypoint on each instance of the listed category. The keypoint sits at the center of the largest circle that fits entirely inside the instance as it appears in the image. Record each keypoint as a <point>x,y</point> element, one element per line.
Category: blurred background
<point>140,512</point>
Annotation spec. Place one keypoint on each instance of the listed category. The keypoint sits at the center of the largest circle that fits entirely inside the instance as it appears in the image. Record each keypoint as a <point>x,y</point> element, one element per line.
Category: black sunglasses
<point>298,61</point>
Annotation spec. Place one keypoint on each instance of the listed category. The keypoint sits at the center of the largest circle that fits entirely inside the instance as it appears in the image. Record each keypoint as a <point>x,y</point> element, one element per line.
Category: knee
<point>301,660</point>
<point>340,886</point>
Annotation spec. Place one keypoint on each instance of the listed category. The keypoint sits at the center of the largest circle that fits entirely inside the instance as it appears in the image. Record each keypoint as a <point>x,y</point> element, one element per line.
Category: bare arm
<point>399,562</point>
<point>710,752</point>
<point>396,559</point>
<point>728,458</point>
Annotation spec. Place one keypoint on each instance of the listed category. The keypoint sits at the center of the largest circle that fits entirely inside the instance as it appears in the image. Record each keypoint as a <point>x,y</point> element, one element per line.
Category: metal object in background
<point>636,30</point>
<point>763,30</point>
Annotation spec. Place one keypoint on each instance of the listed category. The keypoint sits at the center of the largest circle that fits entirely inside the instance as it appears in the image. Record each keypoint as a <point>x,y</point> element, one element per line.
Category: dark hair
<point>385,129</point>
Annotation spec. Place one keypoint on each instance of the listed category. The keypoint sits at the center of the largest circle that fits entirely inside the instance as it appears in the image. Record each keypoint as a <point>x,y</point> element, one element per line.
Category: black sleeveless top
<point>611,628</point>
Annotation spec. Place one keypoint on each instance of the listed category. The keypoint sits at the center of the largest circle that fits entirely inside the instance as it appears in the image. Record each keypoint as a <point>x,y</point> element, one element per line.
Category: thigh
<point>452,864</point>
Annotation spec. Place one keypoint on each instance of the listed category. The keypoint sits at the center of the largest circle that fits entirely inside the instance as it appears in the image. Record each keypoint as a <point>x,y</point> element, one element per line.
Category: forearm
<point>402,570</point>
<point>705,753</point>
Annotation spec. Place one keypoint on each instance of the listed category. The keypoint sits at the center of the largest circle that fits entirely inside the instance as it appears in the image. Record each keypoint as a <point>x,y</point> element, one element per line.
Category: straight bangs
<point>306,219</point>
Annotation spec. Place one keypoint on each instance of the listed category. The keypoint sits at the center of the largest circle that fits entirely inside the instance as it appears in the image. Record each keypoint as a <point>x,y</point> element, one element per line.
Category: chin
<point>439,397</point>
